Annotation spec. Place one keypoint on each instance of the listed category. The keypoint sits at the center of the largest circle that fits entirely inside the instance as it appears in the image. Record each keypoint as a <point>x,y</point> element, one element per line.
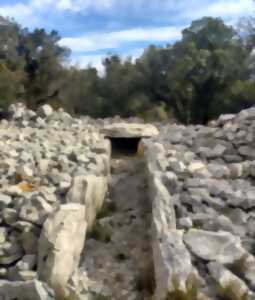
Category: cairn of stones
<point>55,177</point>
<point>202,186</point>
<point>54,174</point>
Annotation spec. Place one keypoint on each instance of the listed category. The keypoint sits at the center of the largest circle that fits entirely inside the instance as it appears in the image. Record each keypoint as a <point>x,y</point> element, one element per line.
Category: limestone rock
<point>45,111</point>
<point>172,262</point>
<point>228,281</point>
<point>219,246</point>
<point>5,200</point>
<point>89,190</point>
<point>125,130</point>
<point>30,290</point>
<point>60,246</point>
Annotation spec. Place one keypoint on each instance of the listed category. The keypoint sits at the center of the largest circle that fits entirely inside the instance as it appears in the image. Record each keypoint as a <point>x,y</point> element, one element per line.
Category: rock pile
<point>54,172</point>
<point>202,182</point>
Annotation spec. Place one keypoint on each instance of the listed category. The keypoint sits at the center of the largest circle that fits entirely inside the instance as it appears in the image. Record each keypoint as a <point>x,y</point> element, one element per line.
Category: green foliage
<point>232,292</point>
<point>208,72</point>
<point>191,292</point>
<point>203,67</point>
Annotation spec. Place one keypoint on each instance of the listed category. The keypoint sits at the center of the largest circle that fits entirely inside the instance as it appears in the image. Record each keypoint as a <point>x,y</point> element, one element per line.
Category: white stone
<point>60,246</point>
<point>196,166</point>
<point>219,246</point>
<point>25,172</point>
<point>126,130</point>
<point>228,280</point>
<point>45,111</point>
<point>90,191</point>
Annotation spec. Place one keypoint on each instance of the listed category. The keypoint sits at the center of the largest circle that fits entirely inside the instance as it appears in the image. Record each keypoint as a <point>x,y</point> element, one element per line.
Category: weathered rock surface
<point>54,175</point>
<point>220,246</point>
<point>124,130</point>
<point>60,246</point>
<point>90,191</point>
<point>30,290</point>
<point>172,263</point>
<point>207,175</point>
<point>41,154</point>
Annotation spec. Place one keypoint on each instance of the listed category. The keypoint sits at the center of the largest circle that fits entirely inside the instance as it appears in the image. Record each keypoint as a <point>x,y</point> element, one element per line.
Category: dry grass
<point>232,292</point>
<point>191,292</point>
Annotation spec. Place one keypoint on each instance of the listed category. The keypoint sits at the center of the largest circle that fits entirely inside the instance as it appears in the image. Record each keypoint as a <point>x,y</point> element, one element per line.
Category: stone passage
<point>117,256</point>
<point>125,137</point>
<point>124,146</point>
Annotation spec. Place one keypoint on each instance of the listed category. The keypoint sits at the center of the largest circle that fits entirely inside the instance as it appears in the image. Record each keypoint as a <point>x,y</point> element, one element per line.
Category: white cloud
<point>31,12</point>
<point>18,11</point>
<point>226,9</point>
<point>112,40</point>
<point>84,60</point>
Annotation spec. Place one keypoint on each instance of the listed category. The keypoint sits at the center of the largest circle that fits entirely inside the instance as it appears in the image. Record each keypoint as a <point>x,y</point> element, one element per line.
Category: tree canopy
<point>208,72</point>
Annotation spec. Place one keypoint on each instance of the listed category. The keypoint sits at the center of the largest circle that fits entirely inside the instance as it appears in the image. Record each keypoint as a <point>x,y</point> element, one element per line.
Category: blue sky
<point>93,28</point>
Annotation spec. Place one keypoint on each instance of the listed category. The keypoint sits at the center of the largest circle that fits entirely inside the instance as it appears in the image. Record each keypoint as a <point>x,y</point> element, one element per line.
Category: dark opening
<point>124,146</point>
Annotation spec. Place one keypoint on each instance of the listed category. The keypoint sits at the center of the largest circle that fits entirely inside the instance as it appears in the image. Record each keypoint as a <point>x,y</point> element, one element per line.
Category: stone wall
<point>54,177</point>
<point>202,182</point>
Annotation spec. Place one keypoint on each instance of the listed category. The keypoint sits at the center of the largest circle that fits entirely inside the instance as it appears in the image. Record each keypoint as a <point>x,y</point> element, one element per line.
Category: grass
<point>190,293</point>
<point>232,292</point>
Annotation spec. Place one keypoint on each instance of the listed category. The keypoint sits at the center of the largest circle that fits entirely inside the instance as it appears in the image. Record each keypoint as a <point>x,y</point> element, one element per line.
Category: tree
<point>83,89</point>
<point>123,88</point>
<point>12,75</point>
<point>44,65</point>
<point>201,69</point>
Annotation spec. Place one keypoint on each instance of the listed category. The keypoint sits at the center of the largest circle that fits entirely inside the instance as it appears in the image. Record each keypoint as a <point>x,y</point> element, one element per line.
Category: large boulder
<point>89,190</point>
<point>163,213</point>
<point>125,130</point>
<point>219,246</point>
<point>172,263</point>
<point>60,246</point>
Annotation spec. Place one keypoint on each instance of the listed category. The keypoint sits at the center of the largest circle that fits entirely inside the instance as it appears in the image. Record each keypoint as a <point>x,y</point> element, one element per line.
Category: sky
<point>94,28</point>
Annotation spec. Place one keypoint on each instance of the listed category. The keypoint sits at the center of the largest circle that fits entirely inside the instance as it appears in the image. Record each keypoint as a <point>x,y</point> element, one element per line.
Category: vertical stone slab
<point>60,246</point>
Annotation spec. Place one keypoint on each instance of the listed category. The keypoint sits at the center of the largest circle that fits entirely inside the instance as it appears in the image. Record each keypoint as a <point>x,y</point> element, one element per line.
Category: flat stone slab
<point>125,130</point>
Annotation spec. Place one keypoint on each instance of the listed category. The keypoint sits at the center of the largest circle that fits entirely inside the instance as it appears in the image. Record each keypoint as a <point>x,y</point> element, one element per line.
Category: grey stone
<point>45,111</point>
<point>227,280</point>
<point>171,260</point>
<point>125,130</point>
<point>30,290</point>
<point>29,241</point>
<point>25,172</point>
<point>218,171</point>
<point>220,246</point>
<point>247,151</point>
<point>90,191</point>
<point>185,223</point>
<point>10,259</point>
<point>236,170</point>
<point>28,262</point>
<point>9,215</point>
<point>3,234</point>
<point>60,246</point>
<point>5,200</point>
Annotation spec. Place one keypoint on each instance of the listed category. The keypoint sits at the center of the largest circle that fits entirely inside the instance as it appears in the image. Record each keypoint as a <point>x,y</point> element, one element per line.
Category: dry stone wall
<point>202,183</point>
<point>54,178</point>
